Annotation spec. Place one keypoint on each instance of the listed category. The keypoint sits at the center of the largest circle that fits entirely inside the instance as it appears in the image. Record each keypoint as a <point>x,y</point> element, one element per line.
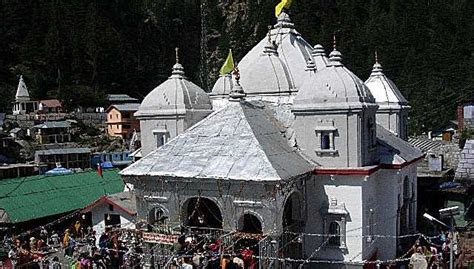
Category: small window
<point>406,188</point>
<point>325,141</point>
<point>371,127</point>
<point>334,234</point>
<point>326,136</point>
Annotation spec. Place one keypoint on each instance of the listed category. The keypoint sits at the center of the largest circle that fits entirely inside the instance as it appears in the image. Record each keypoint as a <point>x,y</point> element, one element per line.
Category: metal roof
<point>62,151</point>
<point>125,107</point>
<point>395,150</point>
<point>35,197</point>
<point>242,141</point>
<point>425,144</point>
<point>53,124</point>
<point>120,98</point>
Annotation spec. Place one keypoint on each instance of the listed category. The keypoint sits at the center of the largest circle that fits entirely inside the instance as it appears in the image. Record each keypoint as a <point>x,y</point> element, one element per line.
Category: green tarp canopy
<point>28,198</point>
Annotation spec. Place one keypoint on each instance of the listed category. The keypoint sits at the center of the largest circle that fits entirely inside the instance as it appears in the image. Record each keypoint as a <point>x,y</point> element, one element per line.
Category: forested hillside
<point>80,50</point>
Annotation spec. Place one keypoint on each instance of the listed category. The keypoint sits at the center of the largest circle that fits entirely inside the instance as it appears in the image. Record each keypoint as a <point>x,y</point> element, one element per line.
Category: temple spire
<point>377,68</point>
<point>177,54</point>
<point>335,57</point>
<point>178,69</point>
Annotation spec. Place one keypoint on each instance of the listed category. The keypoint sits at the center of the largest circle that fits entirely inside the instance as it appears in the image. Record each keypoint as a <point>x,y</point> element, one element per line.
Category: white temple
<point>299,145</point>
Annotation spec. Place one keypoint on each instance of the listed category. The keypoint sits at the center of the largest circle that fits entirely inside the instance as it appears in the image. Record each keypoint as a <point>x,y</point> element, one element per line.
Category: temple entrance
<point>293,225</point>
<point>200,212</point>
<point>249,223</point>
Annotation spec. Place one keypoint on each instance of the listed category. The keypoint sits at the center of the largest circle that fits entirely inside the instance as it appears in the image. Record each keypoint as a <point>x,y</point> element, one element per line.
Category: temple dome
<point>174,96</point>
<point>223,85</point>
<point>383,89</point>
<point>292,49</point>
<point>335,86</point>
<point>268,74</point>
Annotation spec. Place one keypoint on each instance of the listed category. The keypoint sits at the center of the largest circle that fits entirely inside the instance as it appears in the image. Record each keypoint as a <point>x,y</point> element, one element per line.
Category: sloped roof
<point>63,151</point>
<point>120,98</point>
<point>125,107</point>
<point>394,150</point>
<point>125,201</point>
<point>241,141</point>
<point>425,144</point>
<point>53,124</point>
<point>35,197</point>
<point>465,169</point>
<point>51,103</point>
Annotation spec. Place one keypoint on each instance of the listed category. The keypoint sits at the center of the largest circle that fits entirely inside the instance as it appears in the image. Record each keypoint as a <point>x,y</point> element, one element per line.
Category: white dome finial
<point>270,47</point>
<point>335,57</point>
<point>178,69</point>
<point>377,69</point>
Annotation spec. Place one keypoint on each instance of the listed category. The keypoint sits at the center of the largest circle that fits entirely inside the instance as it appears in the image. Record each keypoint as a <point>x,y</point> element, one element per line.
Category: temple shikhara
<point>292,147</point>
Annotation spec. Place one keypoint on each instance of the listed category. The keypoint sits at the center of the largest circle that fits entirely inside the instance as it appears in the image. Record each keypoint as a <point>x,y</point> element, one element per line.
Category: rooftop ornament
<point>237,94</point>
<point>335,58</point>
<point>178,69</point>
<point>377,69</point>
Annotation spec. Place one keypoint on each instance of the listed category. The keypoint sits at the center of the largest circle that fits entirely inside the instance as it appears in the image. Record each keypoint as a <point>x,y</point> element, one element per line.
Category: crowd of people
<point>75,247</point>
<point>433,254</point>
<point>210,252</point>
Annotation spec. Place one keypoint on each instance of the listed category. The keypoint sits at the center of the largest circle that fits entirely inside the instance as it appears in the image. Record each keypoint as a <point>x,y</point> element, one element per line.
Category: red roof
<point>52,103</point>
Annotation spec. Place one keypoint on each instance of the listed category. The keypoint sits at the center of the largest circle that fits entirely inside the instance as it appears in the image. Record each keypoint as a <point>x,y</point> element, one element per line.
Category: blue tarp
<point>107,165</point>
<point>58,171</point>
<point>449,185</point>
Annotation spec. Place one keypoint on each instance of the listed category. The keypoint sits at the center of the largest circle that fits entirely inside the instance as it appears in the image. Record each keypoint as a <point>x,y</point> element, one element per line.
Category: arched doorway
<point>293,213</point>
<point>249,223</point>
<point>157,216</point>
<point>293,225</point>
<point>201,212</point>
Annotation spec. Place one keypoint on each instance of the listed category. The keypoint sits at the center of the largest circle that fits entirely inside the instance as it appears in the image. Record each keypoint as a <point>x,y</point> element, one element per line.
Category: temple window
<point>325,136</point>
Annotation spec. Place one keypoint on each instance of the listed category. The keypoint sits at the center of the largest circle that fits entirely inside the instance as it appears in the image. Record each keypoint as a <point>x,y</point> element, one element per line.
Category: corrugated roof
<point>120,97</point>
<point>395,150</point>
<point>125,107</point>
<point>62,151</point>
<point>424,144</point>
<point>242,141</point>
<point>53,124</point>
<point>36,197</point>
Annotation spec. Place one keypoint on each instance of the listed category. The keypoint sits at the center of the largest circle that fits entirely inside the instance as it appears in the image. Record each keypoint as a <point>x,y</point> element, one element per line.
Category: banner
<point>156,238</point>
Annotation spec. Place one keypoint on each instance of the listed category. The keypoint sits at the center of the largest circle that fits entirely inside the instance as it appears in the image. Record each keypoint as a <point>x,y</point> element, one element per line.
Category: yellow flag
<point>228,65</point>
<point>283,4</point>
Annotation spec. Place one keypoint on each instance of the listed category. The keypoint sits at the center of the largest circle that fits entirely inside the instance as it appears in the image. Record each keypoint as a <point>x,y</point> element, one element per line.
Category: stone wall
<point>465,169</point>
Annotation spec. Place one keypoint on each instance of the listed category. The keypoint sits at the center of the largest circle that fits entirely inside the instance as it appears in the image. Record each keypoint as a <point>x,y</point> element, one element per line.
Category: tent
<point>107,165</point>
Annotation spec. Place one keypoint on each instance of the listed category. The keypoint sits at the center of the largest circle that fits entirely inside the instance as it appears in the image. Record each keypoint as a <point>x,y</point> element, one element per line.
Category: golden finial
<point>376,57</point>
<point>177,54</point>
<point>334,43</point>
